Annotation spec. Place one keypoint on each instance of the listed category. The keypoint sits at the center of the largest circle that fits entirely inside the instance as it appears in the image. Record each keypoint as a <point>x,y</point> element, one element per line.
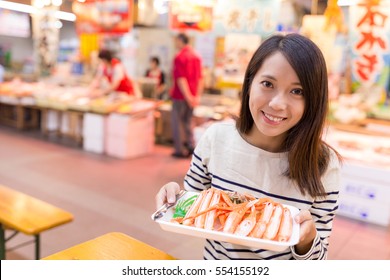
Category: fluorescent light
<point>32,10</point>
<point>57,2</point>
<point>65,16</point>
<point>346,2</point>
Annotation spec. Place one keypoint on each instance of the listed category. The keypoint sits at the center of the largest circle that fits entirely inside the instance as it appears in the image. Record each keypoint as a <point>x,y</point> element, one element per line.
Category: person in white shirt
<point>275,148</point>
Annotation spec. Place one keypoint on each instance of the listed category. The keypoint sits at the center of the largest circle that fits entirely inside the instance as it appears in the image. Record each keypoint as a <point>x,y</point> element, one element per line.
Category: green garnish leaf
<point>183,206</point>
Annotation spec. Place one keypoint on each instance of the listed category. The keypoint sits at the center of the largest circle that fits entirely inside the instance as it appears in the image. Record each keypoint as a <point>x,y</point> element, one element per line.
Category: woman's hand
<point>167,194</point>
<point>307,232</point>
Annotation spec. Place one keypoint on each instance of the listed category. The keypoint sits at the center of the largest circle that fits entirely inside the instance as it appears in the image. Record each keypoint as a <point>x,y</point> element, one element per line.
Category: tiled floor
<point>106,195</point>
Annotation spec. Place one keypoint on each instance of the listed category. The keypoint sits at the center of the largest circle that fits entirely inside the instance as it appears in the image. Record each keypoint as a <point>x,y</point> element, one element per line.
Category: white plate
<point>259,243</point>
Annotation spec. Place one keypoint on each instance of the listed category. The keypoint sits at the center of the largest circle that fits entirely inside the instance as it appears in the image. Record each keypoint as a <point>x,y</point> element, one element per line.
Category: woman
<point>275,149</point>
<point>115,73</point>
<point>156,73</point>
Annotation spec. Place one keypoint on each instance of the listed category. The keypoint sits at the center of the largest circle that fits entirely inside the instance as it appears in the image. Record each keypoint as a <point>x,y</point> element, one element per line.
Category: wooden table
<point>111,246</point>
<point>19,116</point>
<point>75,119</point>
<point>23,213</point>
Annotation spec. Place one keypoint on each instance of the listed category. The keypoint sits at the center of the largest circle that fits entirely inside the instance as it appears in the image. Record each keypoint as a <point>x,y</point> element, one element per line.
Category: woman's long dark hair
<point>308,155</point>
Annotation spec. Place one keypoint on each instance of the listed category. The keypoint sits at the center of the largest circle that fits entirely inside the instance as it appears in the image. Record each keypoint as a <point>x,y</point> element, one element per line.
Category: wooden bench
<point>26,214</point>
<point>111,246</point>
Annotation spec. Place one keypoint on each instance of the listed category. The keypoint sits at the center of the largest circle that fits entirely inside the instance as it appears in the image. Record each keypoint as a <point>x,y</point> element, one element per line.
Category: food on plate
<point>239,214</point>
<point>183,206</point>
<point>383,150</point>
<point>349,145</point>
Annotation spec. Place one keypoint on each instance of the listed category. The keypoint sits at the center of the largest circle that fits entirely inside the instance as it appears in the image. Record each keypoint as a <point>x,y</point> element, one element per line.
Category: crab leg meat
<point>273,225</point>
<point>286,226</point>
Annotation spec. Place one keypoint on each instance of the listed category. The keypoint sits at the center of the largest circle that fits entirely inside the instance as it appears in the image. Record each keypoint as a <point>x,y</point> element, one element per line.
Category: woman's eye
<point>297,91</point>
<point>266,84</point>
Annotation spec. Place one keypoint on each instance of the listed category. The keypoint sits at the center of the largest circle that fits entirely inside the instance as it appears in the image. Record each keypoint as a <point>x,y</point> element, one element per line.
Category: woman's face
<point>105,62</point>
<point>152,64</point>
<point>276,101</point>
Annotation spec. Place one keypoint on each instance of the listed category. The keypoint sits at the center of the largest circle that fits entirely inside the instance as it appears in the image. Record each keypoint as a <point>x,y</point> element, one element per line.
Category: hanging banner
<point>46,39</point>
<point>189,14</point>
<point>246,16</point>
<point>370,38</point>
<point>104,16</point>
<point>14,24</point>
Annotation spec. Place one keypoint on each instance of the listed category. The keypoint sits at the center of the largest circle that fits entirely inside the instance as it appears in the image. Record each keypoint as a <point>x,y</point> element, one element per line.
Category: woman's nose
<point>278,102</point>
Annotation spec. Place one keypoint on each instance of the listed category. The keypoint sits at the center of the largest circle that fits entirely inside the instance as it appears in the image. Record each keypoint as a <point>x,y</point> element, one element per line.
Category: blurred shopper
<point>275,149</point>
<point>114,72</point>
<point>2,72</point>
<point>156,73</point>
<point>187,88</point>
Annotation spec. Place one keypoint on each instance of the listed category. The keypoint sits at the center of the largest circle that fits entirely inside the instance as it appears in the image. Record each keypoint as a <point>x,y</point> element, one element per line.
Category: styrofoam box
<point>52,120</point>
<point>12,100</point>
<point>65,123</point>
<point>94,144</point>
<point>27,100</point>
<point>364,209</point>
<point>198,133</point>
<point>126,126</point>
<point>126,148</point>
<point>94,125</point>
<point>129,137</point>
<point>376,173</point>
<point>373,190</point>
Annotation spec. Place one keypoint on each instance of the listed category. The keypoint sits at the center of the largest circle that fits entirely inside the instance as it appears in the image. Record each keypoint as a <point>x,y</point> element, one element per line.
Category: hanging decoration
<point>370,37</point>
<point>103,16</point>
<point>46,35</point>
<point>188,14</point>
<point>334,17</point>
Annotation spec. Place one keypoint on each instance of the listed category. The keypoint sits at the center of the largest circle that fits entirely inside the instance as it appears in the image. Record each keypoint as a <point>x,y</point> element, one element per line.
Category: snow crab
<point>240,214</point>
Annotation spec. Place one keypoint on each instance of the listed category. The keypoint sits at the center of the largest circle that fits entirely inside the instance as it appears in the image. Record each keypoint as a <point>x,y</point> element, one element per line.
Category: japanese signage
<point>190,15</point>
<point>246,16</point>
<point>369,37</point>
<point>45,38</point>
<point>14,24</point>
<point>103,16</point>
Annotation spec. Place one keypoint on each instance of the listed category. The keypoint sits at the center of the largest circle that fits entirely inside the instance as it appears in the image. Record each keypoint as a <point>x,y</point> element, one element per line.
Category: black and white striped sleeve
<point>323,211</point>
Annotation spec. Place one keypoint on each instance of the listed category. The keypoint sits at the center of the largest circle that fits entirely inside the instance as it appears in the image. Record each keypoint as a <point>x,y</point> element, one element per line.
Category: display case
<point>365,177</point>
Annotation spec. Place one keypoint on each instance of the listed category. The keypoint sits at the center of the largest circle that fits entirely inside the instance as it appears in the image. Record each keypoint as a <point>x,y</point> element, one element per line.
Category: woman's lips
<point>272,119</point>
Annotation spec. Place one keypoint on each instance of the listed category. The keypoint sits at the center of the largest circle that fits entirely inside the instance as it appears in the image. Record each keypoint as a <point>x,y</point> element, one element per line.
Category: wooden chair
<point>111,246</point>
<point>26,214</point>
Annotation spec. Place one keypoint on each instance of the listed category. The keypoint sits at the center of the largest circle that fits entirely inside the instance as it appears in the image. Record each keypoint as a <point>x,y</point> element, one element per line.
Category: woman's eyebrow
<point>273,78</point>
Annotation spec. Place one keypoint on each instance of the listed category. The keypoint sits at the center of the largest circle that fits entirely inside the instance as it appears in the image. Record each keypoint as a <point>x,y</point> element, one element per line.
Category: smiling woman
<point>275,149</point>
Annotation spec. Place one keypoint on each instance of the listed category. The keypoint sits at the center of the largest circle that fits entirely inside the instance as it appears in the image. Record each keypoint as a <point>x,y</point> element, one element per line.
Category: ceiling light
<point>32,10</point>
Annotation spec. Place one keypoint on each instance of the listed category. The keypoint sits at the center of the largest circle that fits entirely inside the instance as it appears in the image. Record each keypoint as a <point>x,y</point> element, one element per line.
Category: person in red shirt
<point>115,73</point>
<point>185,94</point>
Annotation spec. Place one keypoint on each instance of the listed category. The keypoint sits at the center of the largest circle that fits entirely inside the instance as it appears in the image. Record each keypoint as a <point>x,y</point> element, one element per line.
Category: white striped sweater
<point>224,160</point>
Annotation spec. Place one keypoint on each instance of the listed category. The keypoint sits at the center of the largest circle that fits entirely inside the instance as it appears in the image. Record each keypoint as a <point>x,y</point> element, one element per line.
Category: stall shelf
<point>365,177</point>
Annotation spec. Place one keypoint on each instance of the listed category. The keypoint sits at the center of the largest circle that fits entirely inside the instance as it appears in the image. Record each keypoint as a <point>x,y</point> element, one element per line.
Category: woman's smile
<point>273,120</point>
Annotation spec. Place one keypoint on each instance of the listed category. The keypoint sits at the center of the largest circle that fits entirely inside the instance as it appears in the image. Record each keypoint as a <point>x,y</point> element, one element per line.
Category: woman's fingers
<point>167,194</point>
<point>307,227</point>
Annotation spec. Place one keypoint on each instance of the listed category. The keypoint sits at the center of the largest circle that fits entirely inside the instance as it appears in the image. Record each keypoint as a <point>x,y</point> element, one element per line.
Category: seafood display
<point>238,214</point>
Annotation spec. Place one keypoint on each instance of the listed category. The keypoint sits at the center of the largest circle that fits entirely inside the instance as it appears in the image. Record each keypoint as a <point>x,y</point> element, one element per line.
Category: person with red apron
<point>114,71</point>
